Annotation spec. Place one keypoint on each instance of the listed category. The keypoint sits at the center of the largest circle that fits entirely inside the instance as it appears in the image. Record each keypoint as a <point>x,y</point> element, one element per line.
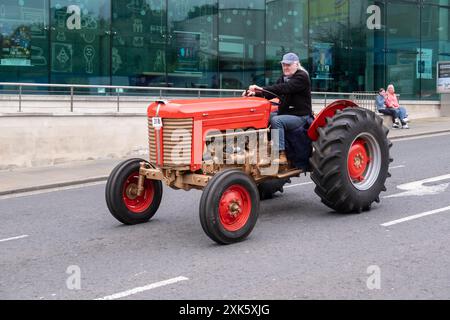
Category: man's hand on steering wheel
<point>251,91</point>
<point>248,93</point>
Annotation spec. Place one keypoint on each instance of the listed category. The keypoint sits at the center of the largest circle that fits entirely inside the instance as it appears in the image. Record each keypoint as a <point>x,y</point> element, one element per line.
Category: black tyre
<point>351,160</point>
<point>113,173</point>
<point>229,207</point>
<point>123,204</point>
<point>268,188</point>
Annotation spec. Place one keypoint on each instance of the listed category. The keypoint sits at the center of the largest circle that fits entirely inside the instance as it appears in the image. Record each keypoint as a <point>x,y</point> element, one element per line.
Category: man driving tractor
<point>294,90</point>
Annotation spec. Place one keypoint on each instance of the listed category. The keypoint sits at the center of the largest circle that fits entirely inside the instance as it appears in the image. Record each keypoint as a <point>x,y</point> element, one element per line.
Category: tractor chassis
<point>180,178</point>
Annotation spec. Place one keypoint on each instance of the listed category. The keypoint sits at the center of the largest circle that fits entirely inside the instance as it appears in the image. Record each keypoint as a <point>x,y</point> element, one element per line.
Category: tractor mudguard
<point>327,112</point>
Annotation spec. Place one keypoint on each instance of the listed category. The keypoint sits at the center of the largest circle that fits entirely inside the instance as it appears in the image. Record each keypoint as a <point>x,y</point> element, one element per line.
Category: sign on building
<point>443,77</point>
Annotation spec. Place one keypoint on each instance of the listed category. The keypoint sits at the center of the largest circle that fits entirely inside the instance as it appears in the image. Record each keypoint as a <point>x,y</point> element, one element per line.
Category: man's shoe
<point>282,160</point>
<point>405,126</point>
<point>396,126</point>
<point>406,119</point>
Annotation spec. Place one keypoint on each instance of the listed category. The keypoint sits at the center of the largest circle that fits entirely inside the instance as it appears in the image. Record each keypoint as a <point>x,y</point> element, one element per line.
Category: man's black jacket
<point>295,94</point>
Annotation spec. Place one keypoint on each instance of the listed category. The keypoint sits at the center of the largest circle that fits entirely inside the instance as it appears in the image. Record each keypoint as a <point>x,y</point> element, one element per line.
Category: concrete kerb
<point>54,185</point>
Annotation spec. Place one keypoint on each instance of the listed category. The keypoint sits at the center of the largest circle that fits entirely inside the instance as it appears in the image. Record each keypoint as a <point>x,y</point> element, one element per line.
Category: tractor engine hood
<point>201,109</point>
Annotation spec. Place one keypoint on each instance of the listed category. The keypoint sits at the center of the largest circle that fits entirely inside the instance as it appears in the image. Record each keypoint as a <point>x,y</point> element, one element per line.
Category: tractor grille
<point>176,140</point>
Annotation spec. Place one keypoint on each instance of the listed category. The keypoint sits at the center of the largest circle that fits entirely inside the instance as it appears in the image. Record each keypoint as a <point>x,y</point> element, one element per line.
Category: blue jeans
<point>394,113</point>
<point>399,113</point>
<point>402,114</point>
<point>284,123</point>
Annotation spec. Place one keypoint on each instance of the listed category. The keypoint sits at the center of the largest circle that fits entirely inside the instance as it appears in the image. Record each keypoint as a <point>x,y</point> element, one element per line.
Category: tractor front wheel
<point>121,194</point>
<point>229,206</point>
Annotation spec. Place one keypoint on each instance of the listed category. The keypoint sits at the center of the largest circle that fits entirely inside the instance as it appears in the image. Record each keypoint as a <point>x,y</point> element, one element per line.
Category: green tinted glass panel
<point>226,43</point>
<point>286,31</point>
<point>80,41</point>
<point>403,45</point>
<point>438,2</point>
<point>192,44</point>
<point>435,32</point>
<point>139,30</point>
<point>241,43</point>
<point>24,54</point>
<point>366,46</point>
<point>329,45</point>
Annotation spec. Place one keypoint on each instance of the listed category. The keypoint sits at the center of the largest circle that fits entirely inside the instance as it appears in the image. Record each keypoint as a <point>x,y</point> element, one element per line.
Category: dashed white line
<point>423,136</point>
<point>416,216</point>
<point>14,238</point>
<point>397,167</point>
<point>144,288</point>
<point>298,184</point>
<point>307,183</point>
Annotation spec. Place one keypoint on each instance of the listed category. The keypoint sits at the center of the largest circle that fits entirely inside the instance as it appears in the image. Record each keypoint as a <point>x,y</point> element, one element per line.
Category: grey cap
<point>290,58</point>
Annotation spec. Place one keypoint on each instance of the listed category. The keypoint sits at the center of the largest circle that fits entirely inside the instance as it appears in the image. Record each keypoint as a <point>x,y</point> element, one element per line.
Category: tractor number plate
<point>157,122</point>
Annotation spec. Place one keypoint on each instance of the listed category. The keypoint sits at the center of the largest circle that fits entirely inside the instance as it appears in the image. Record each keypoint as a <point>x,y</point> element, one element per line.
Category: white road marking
<point>416,216</point>
<point>298,184</point>
<point>144,288</point>
<point>14,238</point>
<point>307,183</point>
<point>397,167</point>
<point>32,193</point>
<point>424,136</point>
<point>417,188</point>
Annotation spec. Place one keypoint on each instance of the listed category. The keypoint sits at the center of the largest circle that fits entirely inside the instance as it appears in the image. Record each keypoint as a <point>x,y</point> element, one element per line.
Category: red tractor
<point>349,162</point>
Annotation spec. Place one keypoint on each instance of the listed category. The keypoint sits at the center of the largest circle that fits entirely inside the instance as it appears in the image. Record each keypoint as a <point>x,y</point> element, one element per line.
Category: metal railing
<point>72,93</point>
<point>107,92</point>
<point>365,100</point>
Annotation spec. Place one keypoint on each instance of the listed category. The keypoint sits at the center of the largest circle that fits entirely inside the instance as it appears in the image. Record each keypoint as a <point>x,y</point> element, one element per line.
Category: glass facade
<point>346,45</point>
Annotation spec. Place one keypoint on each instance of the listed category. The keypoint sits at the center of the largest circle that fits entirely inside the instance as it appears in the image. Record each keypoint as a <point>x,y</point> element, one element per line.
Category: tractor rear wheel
<point>229,206</point>
<point>121,198</point>
<point>351,160</point>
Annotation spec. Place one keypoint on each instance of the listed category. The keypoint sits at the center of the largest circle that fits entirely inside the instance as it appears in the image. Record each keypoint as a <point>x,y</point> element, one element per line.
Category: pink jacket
<point>391,101</point>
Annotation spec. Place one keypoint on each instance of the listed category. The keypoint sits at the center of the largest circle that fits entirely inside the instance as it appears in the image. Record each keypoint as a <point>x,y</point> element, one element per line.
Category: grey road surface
<point>65,244</point>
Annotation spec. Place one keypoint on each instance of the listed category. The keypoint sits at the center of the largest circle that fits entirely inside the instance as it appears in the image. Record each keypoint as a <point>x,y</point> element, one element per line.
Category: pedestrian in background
<point>391,101</point>
<point>381,108</point>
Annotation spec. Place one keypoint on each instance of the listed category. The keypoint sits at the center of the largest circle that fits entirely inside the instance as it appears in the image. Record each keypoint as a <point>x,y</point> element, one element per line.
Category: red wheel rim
<point>134,203</point>
<point>234,207</point>
<point>358,159</point>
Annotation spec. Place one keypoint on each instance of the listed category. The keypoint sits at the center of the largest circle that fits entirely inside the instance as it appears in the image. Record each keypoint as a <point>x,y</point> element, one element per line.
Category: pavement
<point>32,179</point>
